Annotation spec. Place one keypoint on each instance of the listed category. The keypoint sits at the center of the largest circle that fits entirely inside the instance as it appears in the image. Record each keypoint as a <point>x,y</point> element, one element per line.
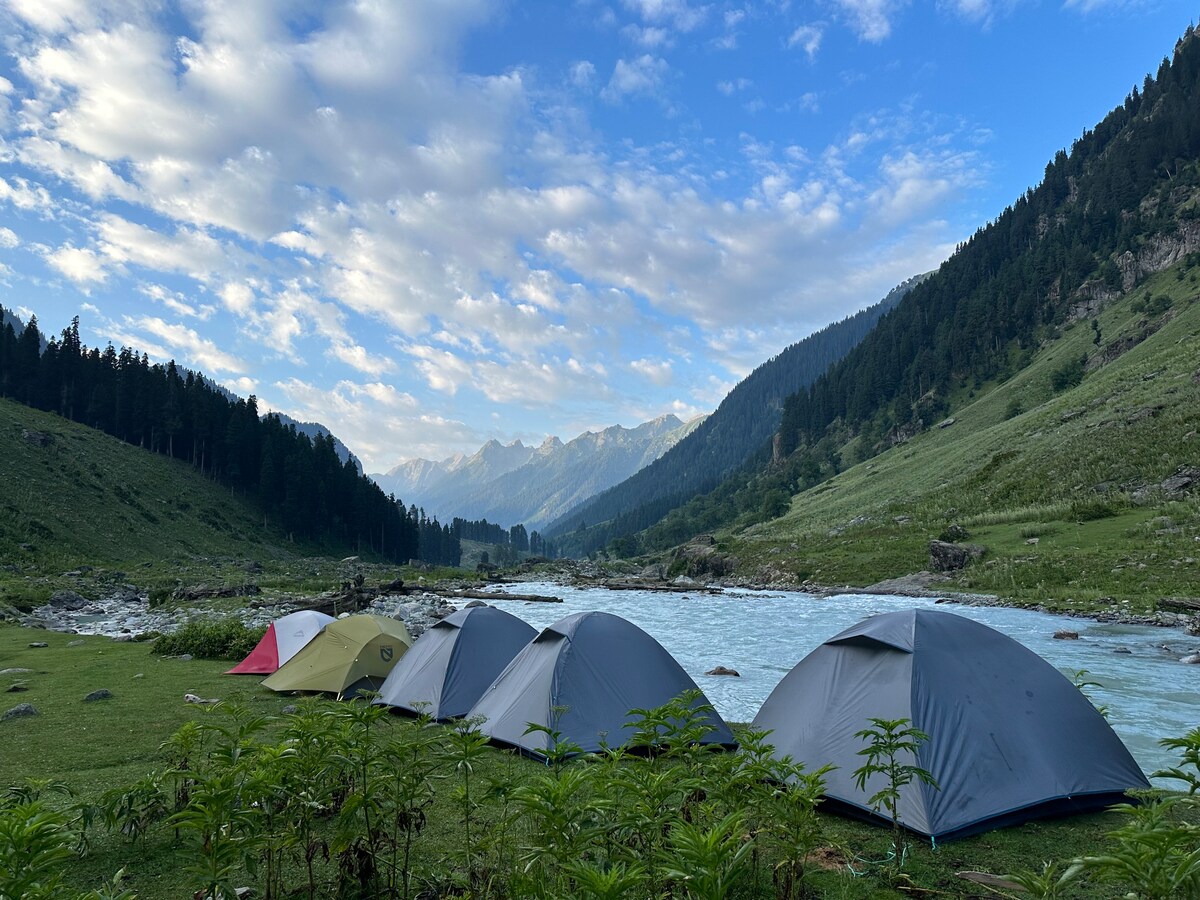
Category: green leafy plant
<point>889,743</point>
<point>210,639</point>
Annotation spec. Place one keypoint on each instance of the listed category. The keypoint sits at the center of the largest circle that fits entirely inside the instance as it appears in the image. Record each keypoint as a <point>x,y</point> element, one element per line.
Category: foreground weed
<point>888,742</point>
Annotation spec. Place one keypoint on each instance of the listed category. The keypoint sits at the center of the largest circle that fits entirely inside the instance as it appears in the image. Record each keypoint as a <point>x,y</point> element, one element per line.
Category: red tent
<point>284,638</point>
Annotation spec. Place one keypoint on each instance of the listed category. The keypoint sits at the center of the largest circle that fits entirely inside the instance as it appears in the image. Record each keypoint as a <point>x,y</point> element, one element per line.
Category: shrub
<point>1091,510</point>
<point>210,639</point>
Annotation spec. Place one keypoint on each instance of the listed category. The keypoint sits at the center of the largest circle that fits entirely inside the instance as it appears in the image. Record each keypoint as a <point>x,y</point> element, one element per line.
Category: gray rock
<point>67,599</point>
<point>184,657</point>
<point>15,671</point>
<point>20,711</point>
<point>1065,635</point>
<point>947,557</point>
<point>76,643</point>
<point>722,670</point>
<point>290,710</point>
<point>38,644</point>
<point>474,604</point>
<point>37,438</point>
<point>19,688</point>
<point>1122,650</point>
<point>1191,659</point>
<point>102,694</point>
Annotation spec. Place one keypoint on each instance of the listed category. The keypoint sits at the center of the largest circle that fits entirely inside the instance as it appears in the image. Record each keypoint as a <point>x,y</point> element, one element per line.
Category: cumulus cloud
<point>808,39</point>
<point>641,76</point>
<point>871,19</point>
<point>79,264</point>
<point>8,238</point>
<point>195,350</point>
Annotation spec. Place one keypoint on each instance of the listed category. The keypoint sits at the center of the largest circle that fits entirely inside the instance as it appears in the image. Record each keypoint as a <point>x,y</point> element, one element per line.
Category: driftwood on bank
<point>469,594</point>
<point>660,587</point>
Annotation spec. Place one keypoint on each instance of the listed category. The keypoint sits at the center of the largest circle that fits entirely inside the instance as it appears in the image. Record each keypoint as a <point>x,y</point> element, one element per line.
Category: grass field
<point>94,748</point>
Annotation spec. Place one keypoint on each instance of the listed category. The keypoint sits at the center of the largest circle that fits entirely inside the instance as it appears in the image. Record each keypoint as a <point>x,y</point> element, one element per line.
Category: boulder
<point>38,644</point>
<point>700,557</point>
<point>1191,659</point>
<point>102,694</point>
<point>948,557</point>
<point>37,438</point>
<point>76,643</point>
<point>1185,479</point>
<point>19,688</point>
<point>15,671</point>
<point>722,670</point>
<point>475,604</point>
<point>1065,635</point>
<point>20,711</point>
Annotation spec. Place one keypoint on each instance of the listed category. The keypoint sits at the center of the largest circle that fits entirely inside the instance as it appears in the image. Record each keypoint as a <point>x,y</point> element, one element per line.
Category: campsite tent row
<point>1011,738</point>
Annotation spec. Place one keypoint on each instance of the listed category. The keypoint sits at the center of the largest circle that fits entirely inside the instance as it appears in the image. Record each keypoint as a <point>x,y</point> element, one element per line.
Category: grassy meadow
<point>478,822</point>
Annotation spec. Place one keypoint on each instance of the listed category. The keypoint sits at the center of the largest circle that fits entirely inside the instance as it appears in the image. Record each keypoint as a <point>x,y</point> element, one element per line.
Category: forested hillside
<point>1120,205</point>
<point>299,484</point>
<point>740,427</point>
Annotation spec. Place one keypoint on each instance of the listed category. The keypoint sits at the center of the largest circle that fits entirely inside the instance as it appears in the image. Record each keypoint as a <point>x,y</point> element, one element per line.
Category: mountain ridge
<point>515,483</point>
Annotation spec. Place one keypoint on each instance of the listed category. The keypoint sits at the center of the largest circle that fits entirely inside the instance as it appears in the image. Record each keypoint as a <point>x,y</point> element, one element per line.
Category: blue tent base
<point>1057,808</point>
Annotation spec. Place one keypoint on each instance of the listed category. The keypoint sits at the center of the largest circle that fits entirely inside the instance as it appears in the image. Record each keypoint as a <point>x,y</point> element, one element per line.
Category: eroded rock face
<point>947,557</point>
<point>701,557</point>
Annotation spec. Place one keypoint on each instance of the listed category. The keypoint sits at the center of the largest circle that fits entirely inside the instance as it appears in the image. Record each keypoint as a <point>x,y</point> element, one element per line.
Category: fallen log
<point>468,594</point>
<point>661,588</point>
<point>1184,603</point>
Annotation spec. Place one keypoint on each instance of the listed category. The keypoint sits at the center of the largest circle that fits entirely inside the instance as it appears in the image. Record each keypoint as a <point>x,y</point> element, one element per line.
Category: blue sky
<point>433,222</point>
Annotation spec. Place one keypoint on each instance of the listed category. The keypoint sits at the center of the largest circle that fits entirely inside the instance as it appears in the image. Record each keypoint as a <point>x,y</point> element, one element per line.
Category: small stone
<point>38,644</point>
<point>20,711</point>
<point>1065,635</point>
<point>1122,650</point>
<point>290,710</point>
<point>75,643</point>
<point>139,675</point>
<point>722,670</point>
<point>1033,542</point>
<point>18,688</point>
<point>192,698</point>
<point>184,657</point>
<point>102,694</point>
<point>15,671</point>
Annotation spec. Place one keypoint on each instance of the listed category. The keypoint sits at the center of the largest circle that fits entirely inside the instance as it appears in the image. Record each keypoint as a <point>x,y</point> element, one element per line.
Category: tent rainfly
<point>1010,738</point>
<point>283,640</point>
<point>581,677</point>
<point>349,656</point>
<point>451,665</point>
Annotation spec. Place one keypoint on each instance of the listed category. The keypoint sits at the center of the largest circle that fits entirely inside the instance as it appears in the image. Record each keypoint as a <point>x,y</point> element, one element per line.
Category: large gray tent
<point>581,677</point>
<point>1011,738</point>
<point>452,663</point>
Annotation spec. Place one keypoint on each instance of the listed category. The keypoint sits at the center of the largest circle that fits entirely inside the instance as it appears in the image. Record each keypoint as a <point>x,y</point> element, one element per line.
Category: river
<point>1148,692</point>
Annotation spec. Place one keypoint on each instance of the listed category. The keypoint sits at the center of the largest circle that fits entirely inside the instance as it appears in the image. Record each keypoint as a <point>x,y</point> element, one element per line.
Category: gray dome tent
<point>581,676</point>
<point>452,663</point>
<point>1011,739</point>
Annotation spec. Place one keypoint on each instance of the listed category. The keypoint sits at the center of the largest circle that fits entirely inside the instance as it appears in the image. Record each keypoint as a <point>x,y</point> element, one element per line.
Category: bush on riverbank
<point>210,639</point>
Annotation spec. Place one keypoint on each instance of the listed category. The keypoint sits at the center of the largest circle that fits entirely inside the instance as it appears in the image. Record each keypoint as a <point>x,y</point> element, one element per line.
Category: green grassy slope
<point>1063,494</point>
<point>86,498</point>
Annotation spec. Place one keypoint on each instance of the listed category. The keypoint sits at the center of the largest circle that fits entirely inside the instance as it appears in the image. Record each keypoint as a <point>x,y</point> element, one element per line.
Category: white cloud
<point>641,76</point>
<point>871,19</point>
<point>583,74</point>
<point>198,351</point>
<point>79,264</point>
<point>808,39</point>
<point>8,238</point>
<point>658,372</point>
<point>729,88</point>
<point>676,13</point>
<point>24,196</point>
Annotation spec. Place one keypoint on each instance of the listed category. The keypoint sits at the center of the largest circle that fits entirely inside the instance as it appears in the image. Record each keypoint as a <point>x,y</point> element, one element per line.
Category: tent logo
<point>386,652</point>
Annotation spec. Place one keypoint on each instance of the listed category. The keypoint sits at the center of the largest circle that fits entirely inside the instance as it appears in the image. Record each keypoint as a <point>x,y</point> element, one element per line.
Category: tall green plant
<point>889,743</point>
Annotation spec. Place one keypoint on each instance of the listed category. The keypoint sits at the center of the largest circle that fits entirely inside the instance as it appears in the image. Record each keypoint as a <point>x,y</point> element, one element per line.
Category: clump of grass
<point>210,639</point>
<point>1036,529</point>
<point>1036,512</point>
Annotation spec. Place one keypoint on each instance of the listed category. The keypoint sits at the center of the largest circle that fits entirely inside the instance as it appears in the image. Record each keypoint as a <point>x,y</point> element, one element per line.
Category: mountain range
<point>515,483</point>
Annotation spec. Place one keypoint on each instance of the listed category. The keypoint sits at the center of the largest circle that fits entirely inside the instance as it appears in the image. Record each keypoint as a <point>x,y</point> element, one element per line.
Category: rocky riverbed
<point>126,613</point>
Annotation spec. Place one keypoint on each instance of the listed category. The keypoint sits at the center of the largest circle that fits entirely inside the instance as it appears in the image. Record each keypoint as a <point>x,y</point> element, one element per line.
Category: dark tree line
<point>298,483</point>
<point>516,537</point>
<point>1009,287</point>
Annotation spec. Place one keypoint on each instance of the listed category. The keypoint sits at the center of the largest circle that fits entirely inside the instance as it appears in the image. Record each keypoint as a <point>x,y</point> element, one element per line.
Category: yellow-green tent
<point>348,656</point>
